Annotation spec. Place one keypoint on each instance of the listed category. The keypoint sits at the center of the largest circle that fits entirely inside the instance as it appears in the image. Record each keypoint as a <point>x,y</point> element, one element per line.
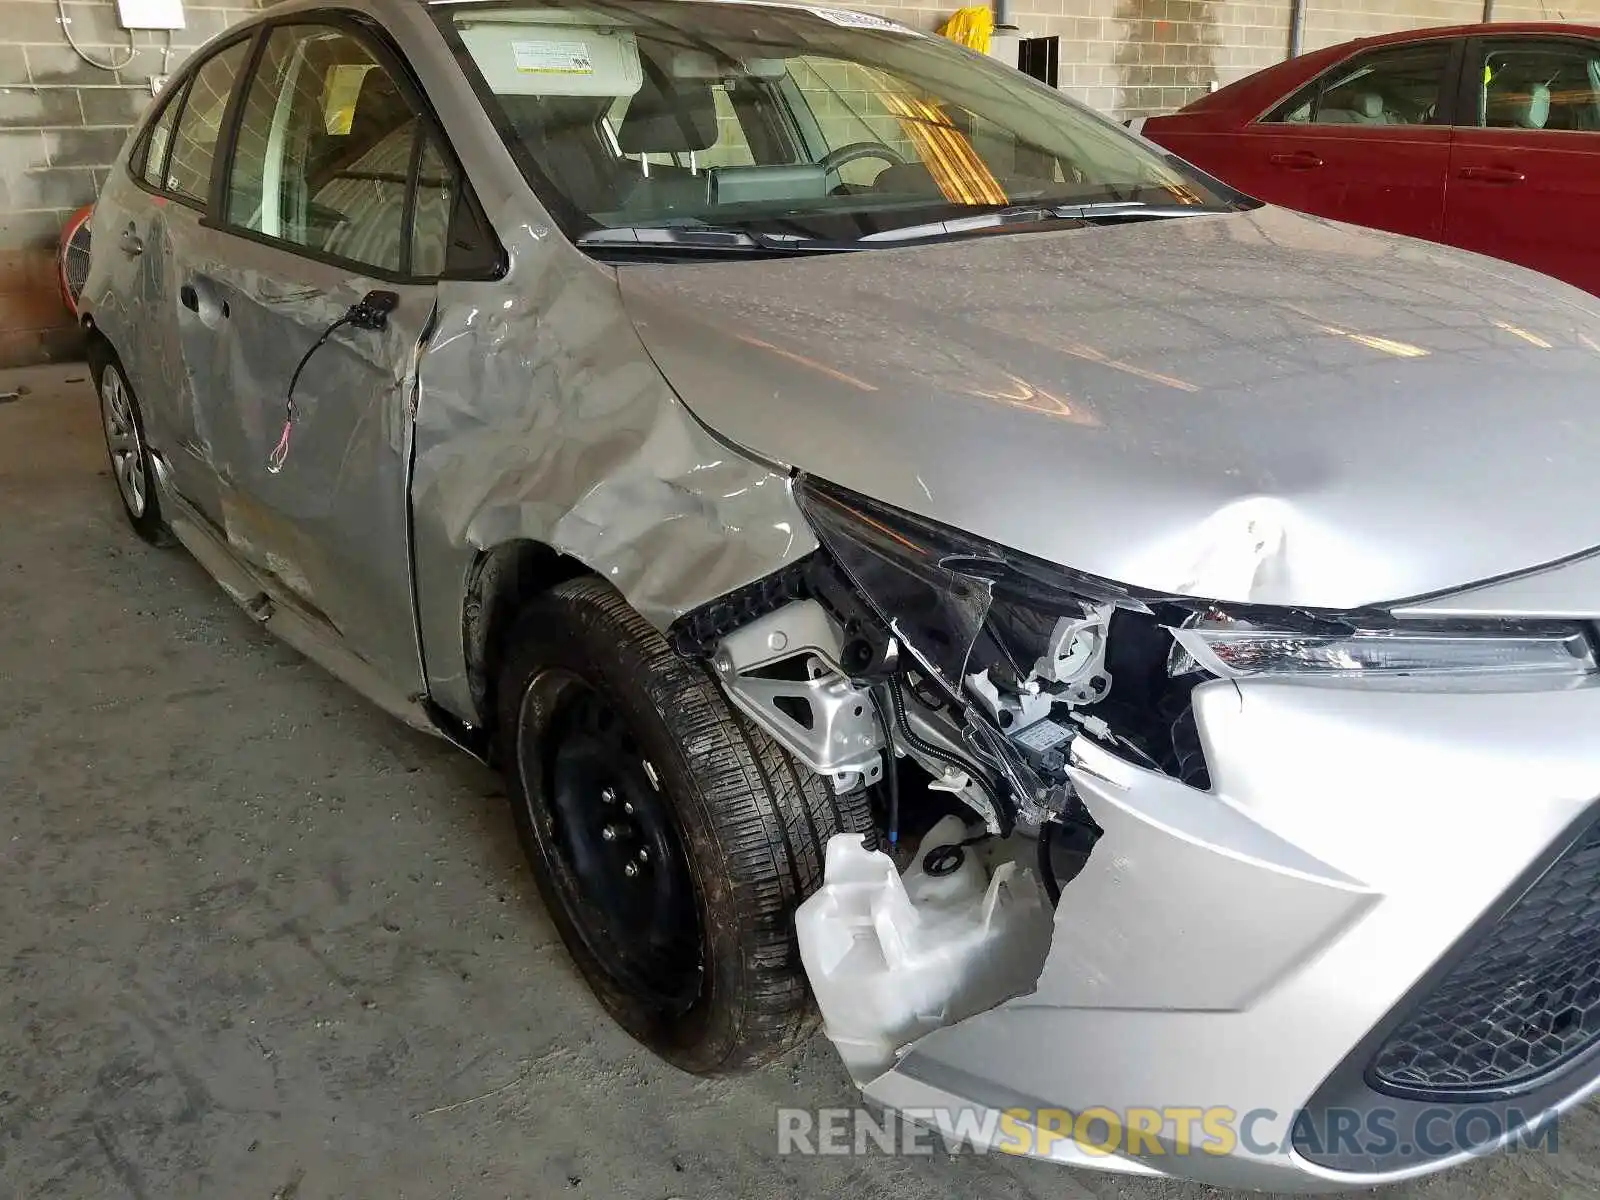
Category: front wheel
<point>671,840</point>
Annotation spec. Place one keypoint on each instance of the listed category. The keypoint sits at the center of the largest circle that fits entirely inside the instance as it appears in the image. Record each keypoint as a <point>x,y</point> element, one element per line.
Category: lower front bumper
<point>1228,961</point>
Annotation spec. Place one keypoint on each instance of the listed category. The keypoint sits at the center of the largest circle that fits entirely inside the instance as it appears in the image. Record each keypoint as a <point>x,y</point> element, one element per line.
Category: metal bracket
<point>803,627</point>
<point>814,712</point>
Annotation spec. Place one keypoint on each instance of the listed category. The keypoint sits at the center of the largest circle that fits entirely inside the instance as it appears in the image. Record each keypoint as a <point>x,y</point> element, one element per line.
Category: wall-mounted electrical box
<point>150,14</point>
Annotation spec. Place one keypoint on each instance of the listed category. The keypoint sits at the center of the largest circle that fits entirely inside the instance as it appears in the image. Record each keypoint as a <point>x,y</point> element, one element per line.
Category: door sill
<point>281,614</point>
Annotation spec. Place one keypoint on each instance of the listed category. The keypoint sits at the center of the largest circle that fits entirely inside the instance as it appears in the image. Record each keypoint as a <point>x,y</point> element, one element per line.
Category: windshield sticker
<point>855,20</point>
<point>553,58</point>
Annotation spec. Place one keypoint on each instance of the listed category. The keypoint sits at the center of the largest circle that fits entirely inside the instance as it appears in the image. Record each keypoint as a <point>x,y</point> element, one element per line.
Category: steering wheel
<point>833,160</point>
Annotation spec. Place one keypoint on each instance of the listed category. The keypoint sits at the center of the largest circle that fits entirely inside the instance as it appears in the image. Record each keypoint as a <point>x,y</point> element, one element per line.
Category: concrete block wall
<point>1138,57</point>
<point>62,122</point>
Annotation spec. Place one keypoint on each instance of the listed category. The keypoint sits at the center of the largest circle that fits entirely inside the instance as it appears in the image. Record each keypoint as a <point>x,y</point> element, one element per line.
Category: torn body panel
<point>1270,911</point>
<point>542,418</point>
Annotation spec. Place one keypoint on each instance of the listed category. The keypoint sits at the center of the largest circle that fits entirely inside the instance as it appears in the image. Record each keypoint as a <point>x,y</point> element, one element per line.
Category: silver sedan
<point>779,438</point>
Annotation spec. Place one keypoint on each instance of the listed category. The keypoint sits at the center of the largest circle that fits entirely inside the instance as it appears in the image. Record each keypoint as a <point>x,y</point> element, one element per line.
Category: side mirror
<point>372,310</point>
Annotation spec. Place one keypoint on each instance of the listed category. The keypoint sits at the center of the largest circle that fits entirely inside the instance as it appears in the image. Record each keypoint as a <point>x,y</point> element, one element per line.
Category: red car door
<point>1367,141</point>
<point>1525,163</point>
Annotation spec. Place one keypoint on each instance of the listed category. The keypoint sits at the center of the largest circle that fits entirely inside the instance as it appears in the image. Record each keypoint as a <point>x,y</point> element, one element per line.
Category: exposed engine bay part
<point>892,957</point>
<point>1075,655</point>
<point>935,743</point>
<point>782,671</point>
<point>899,641</point>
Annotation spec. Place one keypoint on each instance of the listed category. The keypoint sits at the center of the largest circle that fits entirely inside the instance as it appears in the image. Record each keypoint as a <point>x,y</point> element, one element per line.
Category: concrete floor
<point>259,940</point>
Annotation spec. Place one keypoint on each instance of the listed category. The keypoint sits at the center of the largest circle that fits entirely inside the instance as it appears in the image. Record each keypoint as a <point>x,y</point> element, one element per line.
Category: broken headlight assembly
<point>1022,655</point>
<point>1006,655</point>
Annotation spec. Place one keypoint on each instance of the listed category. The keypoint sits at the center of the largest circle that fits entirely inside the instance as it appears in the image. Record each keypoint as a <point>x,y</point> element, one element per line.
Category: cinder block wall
<point>62,120</point>
<point>1137,57</point>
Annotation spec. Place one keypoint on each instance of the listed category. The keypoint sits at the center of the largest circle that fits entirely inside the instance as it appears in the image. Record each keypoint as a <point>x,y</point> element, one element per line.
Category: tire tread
<point>770,818</point>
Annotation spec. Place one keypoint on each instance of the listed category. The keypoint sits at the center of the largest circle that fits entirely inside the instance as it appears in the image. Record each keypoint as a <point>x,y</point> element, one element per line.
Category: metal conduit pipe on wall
<point>1297,27</point>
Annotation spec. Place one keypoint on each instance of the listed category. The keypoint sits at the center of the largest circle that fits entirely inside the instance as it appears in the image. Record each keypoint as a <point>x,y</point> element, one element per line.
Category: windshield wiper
<point>1029,214</point>
<point>704,237</point>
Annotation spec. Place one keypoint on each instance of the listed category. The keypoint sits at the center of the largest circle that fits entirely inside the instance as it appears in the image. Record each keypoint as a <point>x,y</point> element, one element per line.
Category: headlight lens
<point>1228,647</point>
<point>960,604</point>
<point>944,593</point>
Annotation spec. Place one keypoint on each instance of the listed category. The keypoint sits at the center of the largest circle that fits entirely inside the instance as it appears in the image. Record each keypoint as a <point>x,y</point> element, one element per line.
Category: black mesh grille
<point>75,260</point>
<point>1523,1003</point>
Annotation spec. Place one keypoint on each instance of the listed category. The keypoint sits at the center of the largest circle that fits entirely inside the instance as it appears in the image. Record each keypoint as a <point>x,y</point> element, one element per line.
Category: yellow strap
<point>971,27</point>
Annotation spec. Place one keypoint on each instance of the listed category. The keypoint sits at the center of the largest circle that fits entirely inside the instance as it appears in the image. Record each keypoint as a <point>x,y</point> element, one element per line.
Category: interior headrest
<point>1533,109</point>
<point>1519,106</point>
<point>668,116</point>
<point>1370,104</point>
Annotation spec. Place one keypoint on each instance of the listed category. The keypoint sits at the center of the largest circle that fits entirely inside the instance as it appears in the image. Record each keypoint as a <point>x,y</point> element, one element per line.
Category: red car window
<point>1394,86</point>
<point>1539,85</point>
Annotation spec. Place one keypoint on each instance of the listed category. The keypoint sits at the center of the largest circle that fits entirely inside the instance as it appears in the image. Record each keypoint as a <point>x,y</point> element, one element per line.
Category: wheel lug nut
<point>644,854</point>
<point>631,870</point>
<point>627,807</point>
<point>608,795</point>
<point>609,833</point>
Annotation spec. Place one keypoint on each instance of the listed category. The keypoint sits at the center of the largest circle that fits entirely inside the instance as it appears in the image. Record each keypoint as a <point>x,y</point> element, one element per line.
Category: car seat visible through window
<point>1354,108</point>
<point>367,175</point>
<point>670,117</point>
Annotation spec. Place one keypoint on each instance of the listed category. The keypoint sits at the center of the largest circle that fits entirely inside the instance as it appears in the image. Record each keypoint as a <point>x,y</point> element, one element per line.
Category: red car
<point>1480,136</point>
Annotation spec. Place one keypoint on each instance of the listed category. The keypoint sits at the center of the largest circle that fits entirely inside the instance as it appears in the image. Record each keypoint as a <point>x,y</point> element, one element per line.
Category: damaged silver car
<point>1125,653</point>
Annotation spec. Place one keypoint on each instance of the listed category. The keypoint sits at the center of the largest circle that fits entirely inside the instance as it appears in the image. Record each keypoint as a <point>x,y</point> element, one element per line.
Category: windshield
<point>812,122</point>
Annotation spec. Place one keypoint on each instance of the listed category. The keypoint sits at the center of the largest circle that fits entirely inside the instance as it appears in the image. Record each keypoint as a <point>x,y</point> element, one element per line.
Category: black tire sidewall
<point>555,633</point>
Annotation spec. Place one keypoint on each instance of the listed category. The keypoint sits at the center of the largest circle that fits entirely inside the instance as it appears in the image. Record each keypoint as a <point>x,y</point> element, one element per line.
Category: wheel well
<point>97,348</point>
<point>503,580</point>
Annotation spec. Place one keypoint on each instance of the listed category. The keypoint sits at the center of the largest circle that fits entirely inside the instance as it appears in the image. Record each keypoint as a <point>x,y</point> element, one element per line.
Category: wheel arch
<point>97,347</point>
<point>500,582</point>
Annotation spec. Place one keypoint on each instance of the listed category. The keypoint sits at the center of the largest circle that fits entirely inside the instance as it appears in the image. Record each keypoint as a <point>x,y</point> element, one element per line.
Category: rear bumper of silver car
<point>1230,962</point>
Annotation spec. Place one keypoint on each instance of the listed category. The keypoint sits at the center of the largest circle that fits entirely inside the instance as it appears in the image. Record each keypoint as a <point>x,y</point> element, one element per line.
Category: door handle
<point>132,245</point>
<point>1296,160</point>
<point>1493,174</point>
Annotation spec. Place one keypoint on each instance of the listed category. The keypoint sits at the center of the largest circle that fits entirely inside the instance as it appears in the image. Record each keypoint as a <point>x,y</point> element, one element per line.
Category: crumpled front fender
<point>541,417</point>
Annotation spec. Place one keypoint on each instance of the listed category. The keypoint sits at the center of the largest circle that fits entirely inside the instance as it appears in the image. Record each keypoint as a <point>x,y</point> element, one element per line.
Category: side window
<point>151,165</point>
<point>1401,86</point>
<point>1539,85</point>
<point>437,197</point>
<point>194,140</point>
<point>324,153</point>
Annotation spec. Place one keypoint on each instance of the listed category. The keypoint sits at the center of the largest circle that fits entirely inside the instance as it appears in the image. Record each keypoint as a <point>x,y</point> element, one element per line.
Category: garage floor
<point>259,940</point>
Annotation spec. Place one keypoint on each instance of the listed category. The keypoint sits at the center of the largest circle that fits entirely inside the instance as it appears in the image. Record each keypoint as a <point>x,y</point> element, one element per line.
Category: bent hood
<point>1258,407</point>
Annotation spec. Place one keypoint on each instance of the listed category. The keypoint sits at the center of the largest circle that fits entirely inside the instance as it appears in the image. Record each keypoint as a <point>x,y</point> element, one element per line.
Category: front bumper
<point>1229,961</point>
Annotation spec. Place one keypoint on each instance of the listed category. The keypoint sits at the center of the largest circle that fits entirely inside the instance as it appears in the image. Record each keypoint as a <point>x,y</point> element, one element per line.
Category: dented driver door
<point>336,195</point>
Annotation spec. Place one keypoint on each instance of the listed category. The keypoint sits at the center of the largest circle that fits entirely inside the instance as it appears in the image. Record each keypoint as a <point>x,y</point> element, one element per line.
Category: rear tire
<point>132,471</point>
<point>693,950</point>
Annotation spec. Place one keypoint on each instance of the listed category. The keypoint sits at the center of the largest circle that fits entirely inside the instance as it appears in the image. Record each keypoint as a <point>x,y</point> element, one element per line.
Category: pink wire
<point>280,452</point>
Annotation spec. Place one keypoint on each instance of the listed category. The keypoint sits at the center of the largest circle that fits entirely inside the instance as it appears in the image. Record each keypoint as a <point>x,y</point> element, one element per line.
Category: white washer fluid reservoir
<point>892,958</point>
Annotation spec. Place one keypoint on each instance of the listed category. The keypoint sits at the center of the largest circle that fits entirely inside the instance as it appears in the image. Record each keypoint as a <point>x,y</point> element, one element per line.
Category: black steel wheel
<point>670,839</point>
<point>618,856</point>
